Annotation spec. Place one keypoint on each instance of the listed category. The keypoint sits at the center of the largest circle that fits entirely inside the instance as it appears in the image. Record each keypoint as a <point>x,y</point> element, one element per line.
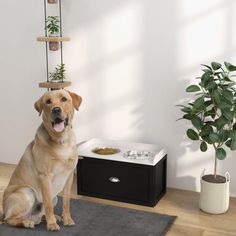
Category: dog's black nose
<point>56,110</point>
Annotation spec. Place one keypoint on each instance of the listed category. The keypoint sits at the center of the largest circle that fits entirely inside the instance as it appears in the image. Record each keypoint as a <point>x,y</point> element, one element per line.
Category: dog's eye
<point>64,99</point>
<point>48,101</point>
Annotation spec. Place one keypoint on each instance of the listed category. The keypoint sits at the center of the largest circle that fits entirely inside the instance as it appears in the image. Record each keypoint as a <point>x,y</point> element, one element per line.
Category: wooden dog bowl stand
<point>117,178</point>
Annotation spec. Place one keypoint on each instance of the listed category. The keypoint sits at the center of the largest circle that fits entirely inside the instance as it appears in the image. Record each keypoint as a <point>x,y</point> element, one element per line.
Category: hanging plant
<point>52,1</point>
<point>58,75</point>
<point>53,29</point>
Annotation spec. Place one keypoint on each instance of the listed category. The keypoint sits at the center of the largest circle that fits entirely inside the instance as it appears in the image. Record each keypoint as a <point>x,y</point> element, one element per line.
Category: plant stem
<point>215,163</point>
<point>215,167</point>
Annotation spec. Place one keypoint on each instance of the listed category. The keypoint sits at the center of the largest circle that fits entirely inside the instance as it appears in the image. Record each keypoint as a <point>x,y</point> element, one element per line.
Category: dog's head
<point>58,109</point>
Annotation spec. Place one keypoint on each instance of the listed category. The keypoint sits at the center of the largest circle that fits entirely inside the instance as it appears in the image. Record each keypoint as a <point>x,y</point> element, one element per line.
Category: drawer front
<point>114,179</point>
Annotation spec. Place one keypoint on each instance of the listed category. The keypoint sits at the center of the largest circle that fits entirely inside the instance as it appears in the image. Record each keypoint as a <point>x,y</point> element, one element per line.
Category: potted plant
<point>53,28</point>
<point>58,75</point>
<point>212,114</point>
<point>52,1</point>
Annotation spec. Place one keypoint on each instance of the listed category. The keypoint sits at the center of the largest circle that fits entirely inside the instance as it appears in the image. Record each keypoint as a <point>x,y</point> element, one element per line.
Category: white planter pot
<point>214,197</point>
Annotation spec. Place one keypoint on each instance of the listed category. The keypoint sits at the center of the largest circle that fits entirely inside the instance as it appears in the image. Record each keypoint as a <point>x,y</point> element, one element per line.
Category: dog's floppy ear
<point>38,105</point>
<point>76,99</point>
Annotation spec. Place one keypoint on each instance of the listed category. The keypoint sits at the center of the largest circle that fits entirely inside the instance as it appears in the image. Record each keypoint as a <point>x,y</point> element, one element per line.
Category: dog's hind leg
<point>37,213</point>
<point>20,222</point>
<point>18,207</point>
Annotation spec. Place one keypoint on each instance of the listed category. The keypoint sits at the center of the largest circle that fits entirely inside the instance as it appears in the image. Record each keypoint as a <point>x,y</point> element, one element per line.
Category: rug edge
<point>170,223</point>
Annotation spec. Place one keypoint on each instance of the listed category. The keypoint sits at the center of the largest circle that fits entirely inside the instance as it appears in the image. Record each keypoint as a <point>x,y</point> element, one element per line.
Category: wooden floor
<point>191,221</point>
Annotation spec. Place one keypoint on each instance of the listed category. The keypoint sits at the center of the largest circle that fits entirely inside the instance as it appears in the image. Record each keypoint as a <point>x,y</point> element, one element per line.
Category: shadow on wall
<point>131,84</point>
<point>153,100</point>
<point>162,89</point>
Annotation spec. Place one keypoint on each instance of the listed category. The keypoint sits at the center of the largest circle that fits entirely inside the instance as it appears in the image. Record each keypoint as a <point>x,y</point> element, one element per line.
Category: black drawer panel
<point>131,180</point>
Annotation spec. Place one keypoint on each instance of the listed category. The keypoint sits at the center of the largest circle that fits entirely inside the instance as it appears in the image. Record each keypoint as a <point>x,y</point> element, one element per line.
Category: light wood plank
<point>213,233</point>
<point>55,85</point>
<point>179,230</point>
<point>52,39</point>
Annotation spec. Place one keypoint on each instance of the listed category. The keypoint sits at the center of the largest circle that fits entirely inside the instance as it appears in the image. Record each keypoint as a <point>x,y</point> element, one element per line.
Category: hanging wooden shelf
<point>52,1</point>
<point>53,85</point>
<point>52,39</point>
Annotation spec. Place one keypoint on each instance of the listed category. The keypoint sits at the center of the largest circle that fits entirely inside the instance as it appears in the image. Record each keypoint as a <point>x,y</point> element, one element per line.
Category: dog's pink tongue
<point>59,127</point>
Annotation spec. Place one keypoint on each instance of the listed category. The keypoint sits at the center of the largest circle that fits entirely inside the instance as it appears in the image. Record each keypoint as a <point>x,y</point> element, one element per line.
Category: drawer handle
<point>114,180</point>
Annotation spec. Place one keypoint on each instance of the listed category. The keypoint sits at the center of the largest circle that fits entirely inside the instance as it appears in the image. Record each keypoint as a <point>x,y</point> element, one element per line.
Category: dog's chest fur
<point>63,166</point>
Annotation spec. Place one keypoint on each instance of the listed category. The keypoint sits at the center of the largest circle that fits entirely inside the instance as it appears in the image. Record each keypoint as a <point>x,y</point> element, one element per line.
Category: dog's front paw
<point>68,221</point>
<point>53,227</point>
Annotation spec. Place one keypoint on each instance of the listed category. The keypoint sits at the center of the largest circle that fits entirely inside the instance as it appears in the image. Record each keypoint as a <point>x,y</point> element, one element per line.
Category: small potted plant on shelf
<point>213,115</point>
<point>53,29</point>
<point>52,1</point>
<point>58,76</point>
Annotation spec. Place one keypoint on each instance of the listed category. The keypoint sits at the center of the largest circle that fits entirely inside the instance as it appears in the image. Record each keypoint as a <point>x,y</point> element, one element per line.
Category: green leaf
<point>192,134</point>
<point>223,135</point>
<point>205,70</point>
<point>211,85</point>
<point>206,66</point>
<point>197,122</point>
<point>229,115</point>
<point>216,95</point>
<point>216,65</point>
<point>233,145</point>
<point>188,117</point>
<point>220,153</point>
<point>228,143</point>
<point>214,137</point>
<point>203,146</point>
<point>206,78</point>
<point>192,88</point>
<point>232,134</point>
<point>229,66</point>
<point>211,123</point>
<point>206,75</point>
<point>178,105</point>
<point>225,104</point>
<point>207,139</point>
<point>206,130</point>
<point>186,109</point>
<point>221,122</point>
<point>225,77</point>
<point>228,95</point>
<point>199,103</point>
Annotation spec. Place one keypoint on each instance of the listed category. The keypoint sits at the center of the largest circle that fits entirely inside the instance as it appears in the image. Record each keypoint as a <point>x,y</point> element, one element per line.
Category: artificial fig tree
<point>212,113</point>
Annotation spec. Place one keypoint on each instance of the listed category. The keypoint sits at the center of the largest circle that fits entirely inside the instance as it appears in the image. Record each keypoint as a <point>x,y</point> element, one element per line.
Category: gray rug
<point>101,220</point>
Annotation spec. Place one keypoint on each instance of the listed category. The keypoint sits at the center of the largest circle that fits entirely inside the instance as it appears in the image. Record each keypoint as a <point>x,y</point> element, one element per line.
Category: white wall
<point>131,61</point>
<point>22,67</point>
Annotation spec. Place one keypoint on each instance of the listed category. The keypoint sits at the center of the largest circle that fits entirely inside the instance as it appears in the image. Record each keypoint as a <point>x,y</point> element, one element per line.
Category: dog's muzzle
<point>59,125</point>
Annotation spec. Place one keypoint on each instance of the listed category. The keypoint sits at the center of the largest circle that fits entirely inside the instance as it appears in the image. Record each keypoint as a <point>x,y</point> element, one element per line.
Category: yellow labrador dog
<point>46,167</point>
